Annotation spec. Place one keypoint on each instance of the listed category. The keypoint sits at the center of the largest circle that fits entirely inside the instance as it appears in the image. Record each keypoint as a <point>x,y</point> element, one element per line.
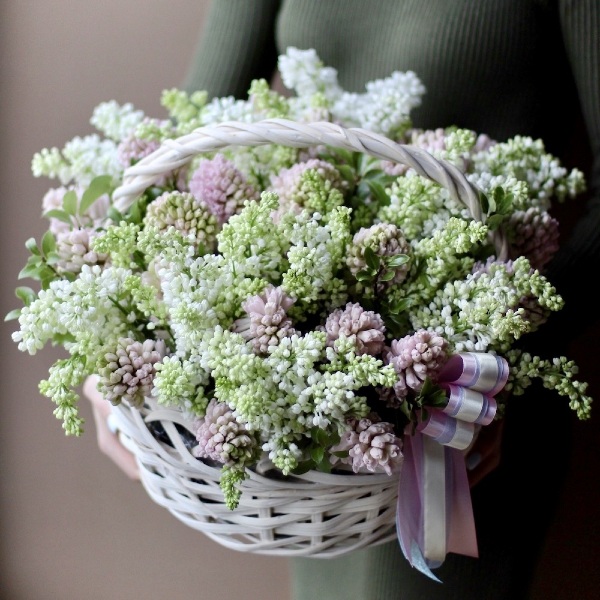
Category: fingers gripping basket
<point>315,514</point>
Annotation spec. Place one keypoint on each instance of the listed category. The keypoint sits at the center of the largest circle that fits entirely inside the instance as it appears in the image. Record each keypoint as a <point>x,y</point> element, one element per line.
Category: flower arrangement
<point>300,304</point>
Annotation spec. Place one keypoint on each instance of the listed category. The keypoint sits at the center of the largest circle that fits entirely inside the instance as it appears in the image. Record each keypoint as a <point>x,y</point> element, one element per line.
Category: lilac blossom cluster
<point>297,305</point>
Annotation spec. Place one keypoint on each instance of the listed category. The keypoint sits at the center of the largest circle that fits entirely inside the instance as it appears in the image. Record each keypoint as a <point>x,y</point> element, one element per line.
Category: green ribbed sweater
<point>501,67</point>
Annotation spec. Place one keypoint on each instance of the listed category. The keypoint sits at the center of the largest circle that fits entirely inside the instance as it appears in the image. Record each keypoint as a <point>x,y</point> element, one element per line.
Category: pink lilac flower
<point>287,184</point>
<point>92,218</point>
<point>130,370</point>
<point>224,188</point>
<point>535,235</point>
<point>371,445</point>
<point>222,438</point>
<point>267,321</point>
<point>365,327</point>
<point>74,250</point>
<point>416,357</point>
<point>386,240</point>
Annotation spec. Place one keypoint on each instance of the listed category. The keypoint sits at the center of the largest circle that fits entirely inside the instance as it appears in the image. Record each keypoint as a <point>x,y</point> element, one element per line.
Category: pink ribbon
<point>434,513</point>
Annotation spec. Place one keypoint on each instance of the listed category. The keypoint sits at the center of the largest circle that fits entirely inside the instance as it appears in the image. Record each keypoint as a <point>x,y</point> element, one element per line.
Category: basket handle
<point>173,154</point>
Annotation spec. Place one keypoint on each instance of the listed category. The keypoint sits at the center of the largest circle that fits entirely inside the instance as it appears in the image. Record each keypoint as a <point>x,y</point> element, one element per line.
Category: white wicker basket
<point>315,514</point>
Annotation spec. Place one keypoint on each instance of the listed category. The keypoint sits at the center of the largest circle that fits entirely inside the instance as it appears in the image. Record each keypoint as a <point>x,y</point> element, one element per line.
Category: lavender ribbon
<point>434,512</point>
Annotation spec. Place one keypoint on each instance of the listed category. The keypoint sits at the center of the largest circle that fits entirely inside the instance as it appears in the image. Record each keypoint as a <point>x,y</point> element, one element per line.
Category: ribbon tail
<point>462,538</point>
<point>432,520</point>
<point>410,508</point>
<point>418,561</point>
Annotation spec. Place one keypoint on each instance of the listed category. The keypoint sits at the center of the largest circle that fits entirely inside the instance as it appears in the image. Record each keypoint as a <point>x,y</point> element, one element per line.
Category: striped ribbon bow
<point>434,513</point>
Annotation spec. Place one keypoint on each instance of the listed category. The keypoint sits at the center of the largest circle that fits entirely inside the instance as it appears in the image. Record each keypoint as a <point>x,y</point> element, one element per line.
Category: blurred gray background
<point>72,526</point>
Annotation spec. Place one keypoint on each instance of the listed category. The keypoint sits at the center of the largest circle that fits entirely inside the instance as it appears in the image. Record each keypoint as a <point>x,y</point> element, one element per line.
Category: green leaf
<point>485,204</point>
<point>399,260</point>
<point>31,269</point>
<point>61,215</point>
<point>504,203</point>
<point>135,213</point>
<point>114,215</point>
<point>317,454</point>
<point>379,193</point>
<point>69,203</point>
<point>52,258</point>
<point>46,279</point>
<point>60,339</point>
<point>364,276</point>
<point>341,453</point>
<point>13,314</point>
<point>303,467</point>
<point>48,243</point>
<point>387,276</point>
<point>494,221</point>
<point>32,246</point>
<point>401,306</point>
<point>26,294</point>
<point>99,186</point>
<point>346,172</point>
<point>431,395</point>
<point>319,436</point>
<point>324,465</point>
<point>372,259</point>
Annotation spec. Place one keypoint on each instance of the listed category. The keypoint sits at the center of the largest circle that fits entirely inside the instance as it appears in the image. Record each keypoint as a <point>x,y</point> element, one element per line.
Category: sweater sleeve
<point>575,265</point>
<point>236,45</point>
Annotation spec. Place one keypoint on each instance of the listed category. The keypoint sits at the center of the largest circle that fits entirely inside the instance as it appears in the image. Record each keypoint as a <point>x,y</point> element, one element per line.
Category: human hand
<point>108,442</point>
<point>484,454</point>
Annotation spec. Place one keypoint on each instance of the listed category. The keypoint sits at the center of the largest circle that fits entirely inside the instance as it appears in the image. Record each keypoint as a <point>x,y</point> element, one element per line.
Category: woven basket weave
<point>314,514</point>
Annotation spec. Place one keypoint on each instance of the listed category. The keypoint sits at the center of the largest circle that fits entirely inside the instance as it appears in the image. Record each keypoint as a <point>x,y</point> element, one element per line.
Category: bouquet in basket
<point>309,304</point>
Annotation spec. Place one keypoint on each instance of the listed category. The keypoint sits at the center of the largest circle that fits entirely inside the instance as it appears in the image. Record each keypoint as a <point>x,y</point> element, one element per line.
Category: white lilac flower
<point>84,309</point>
<point>384,107</point>
<point>90,157</point>
<point>419,206</point>
<point>219,110</point>
<point>316,252</point>
<point>303,72</point>
<point>252,240</point>
<point>116,121</point>
<point>328,399</point>
<point>180,383</point>
<point>526,158</point>
<point>49,162</point>
<point>81,160</point>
